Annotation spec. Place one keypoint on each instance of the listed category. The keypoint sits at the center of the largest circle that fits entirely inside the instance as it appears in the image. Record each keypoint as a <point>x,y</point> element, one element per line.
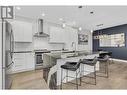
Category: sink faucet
<point>74,44</point>
<point>63,47</point>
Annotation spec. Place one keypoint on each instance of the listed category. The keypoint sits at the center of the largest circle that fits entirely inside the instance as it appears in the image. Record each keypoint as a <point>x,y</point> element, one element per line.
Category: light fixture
<point>61,19</point>
<point>79,7</point>
<point>63,25</point>
<point>80,28</point>
<point>9,10</point>
<point>18,8</point>
<point>91,12</point>
<point>91,31</point>
<point>43,14</point>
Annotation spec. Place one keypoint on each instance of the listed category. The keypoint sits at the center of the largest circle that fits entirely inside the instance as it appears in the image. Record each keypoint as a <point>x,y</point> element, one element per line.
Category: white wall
<point>43,43</point>
<point>0,55</point>
<point>23,47</point>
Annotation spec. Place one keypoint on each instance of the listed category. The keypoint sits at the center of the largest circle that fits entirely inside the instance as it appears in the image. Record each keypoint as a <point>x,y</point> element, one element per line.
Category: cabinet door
<point>19,62</point>
<point>23,62</point>
<point>56,35</point>
<point>22,31</point>
<point>30,64</point>
<point>27,32</point>
<point>17,30</point>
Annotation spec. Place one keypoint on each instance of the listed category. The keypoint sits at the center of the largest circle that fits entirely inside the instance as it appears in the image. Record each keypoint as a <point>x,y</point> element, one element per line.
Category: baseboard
<point>120,60</point>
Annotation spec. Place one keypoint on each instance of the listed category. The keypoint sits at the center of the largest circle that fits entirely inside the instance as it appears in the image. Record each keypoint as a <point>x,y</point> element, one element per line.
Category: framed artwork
<point>82,39</point>
<point>113,40</point>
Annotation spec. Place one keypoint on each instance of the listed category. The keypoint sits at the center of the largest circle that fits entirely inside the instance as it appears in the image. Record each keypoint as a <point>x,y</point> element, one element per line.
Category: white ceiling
<point>107,15</point>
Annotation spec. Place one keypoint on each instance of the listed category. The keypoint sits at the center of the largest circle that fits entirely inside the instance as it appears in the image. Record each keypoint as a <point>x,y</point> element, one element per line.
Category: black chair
<point>90,62</point>
<point>71,66</point>
<point>99,49</point>
<point>104,61</point>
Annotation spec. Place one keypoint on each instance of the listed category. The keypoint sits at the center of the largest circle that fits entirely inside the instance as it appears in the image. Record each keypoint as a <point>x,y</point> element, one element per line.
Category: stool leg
<point>107,69</point>
<point>66,75</point>
<point>80,75</point>
<point>112,61</point>
<point>76,80</point>
<point>61,78</point>
<point>95,73</point>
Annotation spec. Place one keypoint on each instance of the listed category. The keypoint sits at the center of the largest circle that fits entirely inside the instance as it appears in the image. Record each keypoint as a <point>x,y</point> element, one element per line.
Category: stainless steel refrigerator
<point>7,53</point>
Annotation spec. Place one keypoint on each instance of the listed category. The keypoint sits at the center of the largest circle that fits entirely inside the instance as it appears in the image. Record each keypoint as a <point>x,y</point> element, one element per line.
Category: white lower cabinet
<point>23,62</point>
<point>30,61</point>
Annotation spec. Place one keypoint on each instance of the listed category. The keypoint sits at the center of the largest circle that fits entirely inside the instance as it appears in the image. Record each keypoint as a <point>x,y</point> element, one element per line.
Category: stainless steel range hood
<point>40,32</point>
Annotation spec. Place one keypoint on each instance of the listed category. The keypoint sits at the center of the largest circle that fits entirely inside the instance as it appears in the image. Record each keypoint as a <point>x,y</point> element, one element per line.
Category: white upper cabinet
<point>57,35</point>
<point>65,35</point>
<point>71,35</point>
<point>22,31</point>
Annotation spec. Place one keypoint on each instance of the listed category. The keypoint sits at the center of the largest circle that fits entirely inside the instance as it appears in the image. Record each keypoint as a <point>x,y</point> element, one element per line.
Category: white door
<point>30,64</point>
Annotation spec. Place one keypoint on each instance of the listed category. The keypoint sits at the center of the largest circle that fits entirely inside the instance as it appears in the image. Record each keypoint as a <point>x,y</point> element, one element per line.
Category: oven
<point>39,58</point>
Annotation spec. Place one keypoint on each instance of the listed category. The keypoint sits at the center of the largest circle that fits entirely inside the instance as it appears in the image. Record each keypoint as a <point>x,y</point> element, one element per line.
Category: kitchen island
<point>52,65</point>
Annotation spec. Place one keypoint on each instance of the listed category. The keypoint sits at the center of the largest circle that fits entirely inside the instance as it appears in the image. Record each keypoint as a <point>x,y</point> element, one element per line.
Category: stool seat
<point>103,59</point>
<point>70,66</point>
<point>89,62</point>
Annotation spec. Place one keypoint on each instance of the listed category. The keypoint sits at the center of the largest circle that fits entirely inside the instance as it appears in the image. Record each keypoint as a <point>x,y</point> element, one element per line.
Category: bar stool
<point>104,60</point>
<point>90,62</point>
<point>71,66</point>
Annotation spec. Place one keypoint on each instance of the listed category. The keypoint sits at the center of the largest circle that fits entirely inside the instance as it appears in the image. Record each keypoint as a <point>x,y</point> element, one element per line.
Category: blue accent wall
<point>117,52</point>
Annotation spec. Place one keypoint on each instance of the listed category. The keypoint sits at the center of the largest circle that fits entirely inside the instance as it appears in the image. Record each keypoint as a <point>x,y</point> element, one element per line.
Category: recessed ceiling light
<point>91,12</point>
<point>43,14</point>
<point>80,28</point>
<point>79,7</point>
<point>61,19</point>
<point>99,25</point>
<point>91,31</point>
<point>63,25</point>
<point>18,8</point>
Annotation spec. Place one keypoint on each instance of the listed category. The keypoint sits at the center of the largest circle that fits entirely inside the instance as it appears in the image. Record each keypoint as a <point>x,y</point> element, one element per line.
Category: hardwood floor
<point>34,80</point>
<point>29,80</point>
